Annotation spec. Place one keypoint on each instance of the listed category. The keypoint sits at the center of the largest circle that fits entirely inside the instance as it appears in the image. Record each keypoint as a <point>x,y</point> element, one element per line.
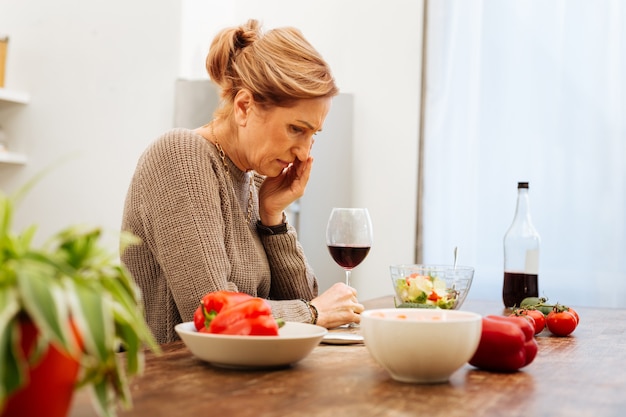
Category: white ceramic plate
<point>294,342</point>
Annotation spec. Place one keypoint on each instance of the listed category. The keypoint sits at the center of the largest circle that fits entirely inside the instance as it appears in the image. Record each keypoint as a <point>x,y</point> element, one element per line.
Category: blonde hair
<point>278,67</point>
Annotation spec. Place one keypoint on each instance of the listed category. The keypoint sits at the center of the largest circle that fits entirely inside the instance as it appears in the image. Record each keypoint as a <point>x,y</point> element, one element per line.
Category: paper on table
<point>336,338</point>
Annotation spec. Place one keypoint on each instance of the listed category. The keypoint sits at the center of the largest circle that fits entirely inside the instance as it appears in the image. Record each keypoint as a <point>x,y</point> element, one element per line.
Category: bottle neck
<point>522,225</point>
<point>522,211</point>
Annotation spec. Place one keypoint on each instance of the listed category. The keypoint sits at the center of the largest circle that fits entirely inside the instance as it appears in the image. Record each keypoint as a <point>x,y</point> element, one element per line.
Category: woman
<point>209,203</point>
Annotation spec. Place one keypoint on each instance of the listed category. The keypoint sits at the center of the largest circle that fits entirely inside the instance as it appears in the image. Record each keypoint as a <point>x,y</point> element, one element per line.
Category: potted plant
<point>66,309</point>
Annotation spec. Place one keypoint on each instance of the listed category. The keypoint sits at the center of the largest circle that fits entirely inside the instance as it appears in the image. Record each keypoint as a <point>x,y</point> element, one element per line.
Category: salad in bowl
<point>431,286</point>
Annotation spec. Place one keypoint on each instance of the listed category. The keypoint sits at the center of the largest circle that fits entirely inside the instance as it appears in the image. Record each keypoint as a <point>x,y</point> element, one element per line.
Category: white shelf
<point>12,96</point>
<point>12,158</point>
<point>16,97</point>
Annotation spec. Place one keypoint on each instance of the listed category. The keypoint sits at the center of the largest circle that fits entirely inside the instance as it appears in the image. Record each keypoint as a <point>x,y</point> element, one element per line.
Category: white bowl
<point>294,342</point>
<point>421,345</point>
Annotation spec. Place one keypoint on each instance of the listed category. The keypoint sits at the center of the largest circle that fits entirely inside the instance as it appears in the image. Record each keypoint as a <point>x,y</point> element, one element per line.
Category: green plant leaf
<point>120,382</point>
<point>128,239</point>
<point>92,313</point>
<point>128,309</point>
<point>133,348</point>
<point>114,281</point>
<point>44,302</point>
<point>13,371</point>
<point>9,306</point>
<point>25,239</point>
<point>100,392</point>
<point>79,246</point>
<point>6,216</point>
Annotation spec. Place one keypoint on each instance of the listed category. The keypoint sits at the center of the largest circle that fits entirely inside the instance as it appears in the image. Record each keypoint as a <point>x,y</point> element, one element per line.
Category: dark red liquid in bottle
<point>518,286</point>
<point>348,256</point>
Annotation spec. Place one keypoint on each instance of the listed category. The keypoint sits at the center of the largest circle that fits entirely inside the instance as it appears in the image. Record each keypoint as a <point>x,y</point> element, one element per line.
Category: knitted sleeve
<point>184,220</point>
<point>292,277</point>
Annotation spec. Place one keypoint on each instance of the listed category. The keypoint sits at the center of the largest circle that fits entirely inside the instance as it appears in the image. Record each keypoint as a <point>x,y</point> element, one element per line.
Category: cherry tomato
<point>572,311</point>
<point>561,322</point>
<point>520,314</point>
<point>538,316</point>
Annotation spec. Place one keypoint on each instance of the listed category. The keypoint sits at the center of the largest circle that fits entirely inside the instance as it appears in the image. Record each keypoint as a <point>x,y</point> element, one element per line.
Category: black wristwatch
<point>271,230</point>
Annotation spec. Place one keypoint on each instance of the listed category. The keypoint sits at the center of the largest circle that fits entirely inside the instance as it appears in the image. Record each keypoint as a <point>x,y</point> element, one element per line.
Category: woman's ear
<point>242,106</point>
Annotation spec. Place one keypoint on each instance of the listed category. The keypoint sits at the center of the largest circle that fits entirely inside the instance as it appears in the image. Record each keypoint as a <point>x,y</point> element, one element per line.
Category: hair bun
<point>277,67</point>
<point>246,34</point>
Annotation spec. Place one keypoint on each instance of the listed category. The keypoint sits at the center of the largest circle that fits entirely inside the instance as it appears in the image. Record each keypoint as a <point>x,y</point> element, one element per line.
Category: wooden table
<point>580,375</point>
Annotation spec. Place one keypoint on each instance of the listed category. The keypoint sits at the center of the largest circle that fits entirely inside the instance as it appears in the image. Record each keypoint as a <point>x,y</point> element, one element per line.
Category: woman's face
<point>273,139</point>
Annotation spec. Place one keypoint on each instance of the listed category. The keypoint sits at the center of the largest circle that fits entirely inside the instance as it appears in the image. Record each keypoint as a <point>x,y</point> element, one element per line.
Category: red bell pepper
<point>250,317</point>
<point>199,320</point>
<point>506,344</point>
<point>219,300</point>
<point>214,302</point>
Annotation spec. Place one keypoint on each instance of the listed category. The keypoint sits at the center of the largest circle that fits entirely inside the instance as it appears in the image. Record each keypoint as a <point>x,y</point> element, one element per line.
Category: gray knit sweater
<point>191,217</point>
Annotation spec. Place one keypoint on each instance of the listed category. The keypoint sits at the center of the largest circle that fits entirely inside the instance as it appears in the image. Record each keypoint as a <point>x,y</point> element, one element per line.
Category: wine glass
<point>349,237</point>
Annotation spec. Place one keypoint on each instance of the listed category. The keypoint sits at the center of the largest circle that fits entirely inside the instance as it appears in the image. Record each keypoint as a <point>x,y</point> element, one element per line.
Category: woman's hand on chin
<point>277,193</point>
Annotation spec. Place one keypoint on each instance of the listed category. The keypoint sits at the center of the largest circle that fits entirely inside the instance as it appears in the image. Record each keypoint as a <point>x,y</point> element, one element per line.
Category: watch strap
<point>271,230</point>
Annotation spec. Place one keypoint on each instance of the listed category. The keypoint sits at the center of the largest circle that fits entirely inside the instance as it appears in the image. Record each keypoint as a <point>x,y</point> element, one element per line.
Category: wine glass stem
<point>348,272</point>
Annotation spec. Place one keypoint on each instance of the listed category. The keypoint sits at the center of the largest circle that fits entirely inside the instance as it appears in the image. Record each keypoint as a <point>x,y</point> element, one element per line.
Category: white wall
<point>102,74</point>
<point>375,55</point>
<point>101,78</point>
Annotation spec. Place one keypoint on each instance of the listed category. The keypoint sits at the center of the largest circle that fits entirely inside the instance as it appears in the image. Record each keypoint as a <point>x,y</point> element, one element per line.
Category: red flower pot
<point>50,384</point>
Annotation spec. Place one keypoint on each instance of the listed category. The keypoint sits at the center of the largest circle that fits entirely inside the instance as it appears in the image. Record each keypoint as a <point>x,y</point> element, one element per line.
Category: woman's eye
<point>296,129</point>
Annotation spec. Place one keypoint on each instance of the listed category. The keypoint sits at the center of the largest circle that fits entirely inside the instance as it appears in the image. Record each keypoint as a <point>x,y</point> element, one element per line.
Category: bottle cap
<point>522,185</point>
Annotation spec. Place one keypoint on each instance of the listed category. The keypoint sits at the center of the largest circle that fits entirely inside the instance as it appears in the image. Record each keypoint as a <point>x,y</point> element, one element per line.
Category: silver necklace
<point>222,155</point>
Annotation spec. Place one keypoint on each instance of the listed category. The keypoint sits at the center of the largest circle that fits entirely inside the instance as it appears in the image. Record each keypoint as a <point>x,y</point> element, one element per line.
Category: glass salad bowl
<point>431,286</point>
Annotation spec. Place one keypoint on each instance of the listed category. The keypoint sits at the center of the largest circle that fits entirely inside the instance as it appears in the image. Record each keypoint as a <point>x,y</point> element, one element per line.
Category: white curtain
<point>528,91</point>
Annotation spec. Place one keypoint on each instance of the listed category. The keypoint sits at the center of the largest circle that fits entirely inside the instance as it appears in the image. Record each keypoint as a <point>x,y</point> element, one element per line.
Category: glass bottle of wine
<point>521,254</point>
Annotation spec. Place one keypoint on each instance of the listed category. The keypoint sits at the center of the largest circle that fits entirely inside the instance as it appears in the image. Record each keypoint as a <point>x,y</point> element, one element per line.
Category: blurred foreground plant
<point>70,281</point>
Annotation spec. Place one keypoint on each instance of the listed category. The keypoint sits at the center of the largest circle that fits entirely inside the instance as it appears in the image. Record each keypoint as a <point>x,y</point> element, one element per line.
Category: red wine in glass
<point>347,256</point>
<point>349,237</point>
